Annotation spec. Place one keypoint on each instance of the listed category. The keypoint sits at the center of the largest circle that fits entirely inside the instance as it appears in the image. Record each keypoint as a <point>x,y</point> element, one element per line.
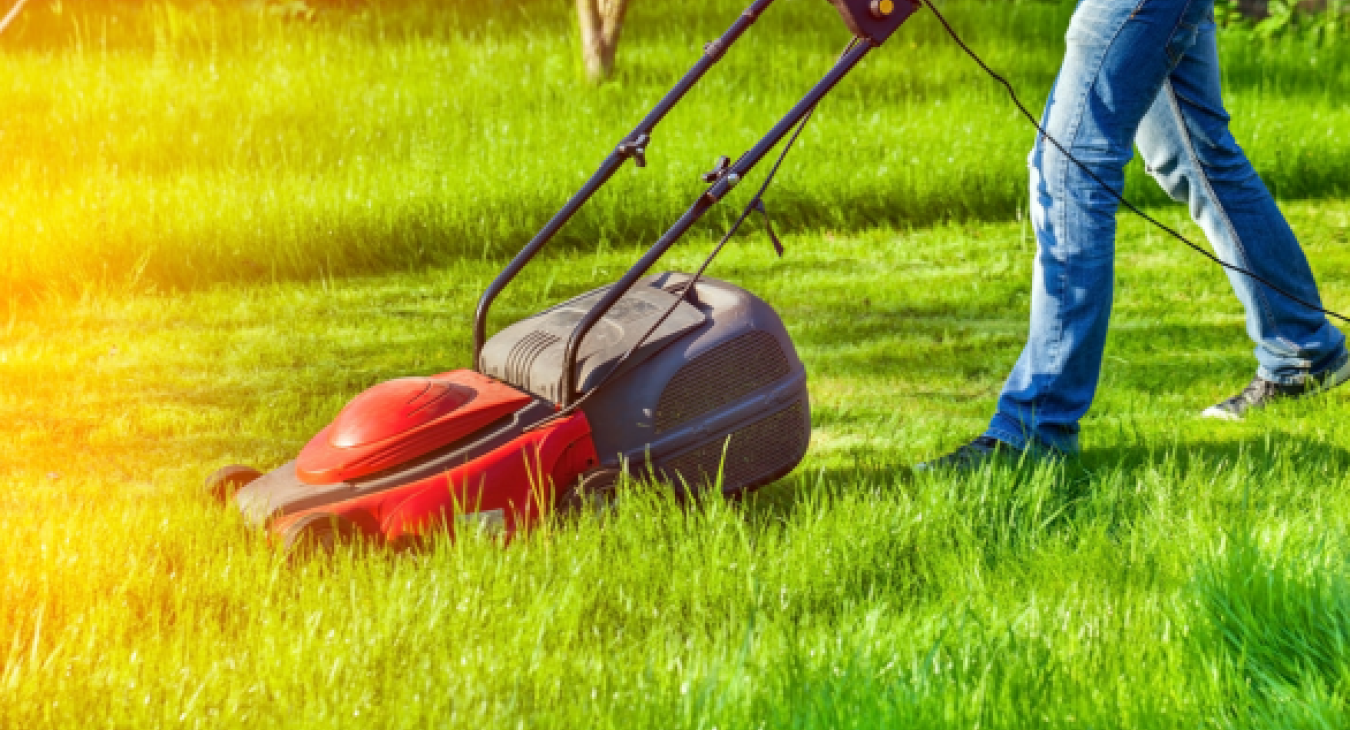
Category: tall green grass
<point>164,145</point>
<point>1182,574</point>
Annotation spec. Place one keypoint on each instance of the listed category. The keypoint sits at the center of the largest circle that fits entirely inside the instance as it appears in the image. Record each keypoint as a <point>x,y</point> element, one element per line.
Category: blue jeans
<point>1145,72</point>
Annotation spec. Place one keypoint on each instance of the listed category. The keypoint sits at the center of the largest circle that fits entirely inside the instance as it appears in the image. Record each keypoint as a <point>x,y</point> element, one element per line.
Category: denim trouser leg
<point>1121,54</point>
<point>1185,142</point>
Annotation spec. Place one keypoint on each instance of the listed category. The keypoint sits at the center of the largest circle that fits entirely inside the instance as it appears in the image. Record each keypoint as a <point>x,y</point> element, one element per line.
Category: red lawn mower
<point>677,377</point>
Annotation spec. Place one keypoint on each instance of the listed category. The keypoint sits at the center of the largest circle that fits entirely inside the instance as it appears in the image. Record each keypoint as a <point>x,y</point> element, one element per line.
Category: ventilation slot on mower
<point>720,377</point>
<point>758,453</point>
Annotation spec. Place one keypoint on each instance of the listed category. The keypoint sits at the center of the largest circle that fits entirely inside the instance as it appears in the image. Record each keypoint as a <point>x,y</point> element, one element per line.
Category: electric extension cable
<point>1121,198</point>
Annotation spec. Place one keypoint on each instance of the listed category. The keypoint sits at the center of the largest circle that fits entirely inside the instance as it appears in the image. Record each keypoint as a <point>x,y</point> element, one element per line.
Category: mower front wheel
<point>320,533</point>
<point>596,492</point>
<point>225,481</point>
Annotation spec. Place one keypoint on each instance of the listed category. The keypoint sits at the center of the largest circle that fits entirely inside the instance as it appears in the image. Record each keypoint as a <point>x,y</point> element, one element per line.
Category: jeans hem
<point>1264,374</point>
<point>1032,445</point>
<point>1302,377</point>
<point>1017,441</point>
<point>1336,364</point>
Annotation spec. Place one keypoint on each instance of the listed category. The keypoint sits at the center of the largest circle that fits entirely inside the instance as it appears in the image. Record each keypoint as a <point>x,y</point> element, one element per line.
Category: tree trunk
<point>11,15</point>
<point>601,24</point>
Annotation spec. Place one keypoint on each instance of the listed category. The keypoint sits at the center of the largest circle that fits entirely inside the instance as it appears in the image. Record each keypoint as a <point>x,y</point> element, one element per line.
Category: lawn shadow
<point>1074,481</point>
<point>1263,451</point>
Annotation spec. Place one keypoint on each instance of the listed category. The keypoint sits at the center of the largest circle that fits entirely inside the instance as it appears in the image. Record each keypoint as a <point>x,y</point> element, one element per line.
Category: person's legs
<point>1185,142</point>
<point>1118,57</point>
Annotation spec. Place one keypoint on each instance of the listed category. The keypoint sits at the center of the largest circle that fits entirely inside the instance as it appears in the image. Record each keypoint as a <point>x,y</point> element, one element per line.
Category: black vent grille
<point>522,357</point>
<point>759,452</point>
<point>721,376</point>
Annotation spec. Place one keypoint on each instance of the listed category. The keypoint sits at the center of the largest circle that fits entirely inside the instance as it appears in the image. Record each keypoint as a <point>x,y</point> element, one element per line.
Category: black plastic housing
<point>718,389</point>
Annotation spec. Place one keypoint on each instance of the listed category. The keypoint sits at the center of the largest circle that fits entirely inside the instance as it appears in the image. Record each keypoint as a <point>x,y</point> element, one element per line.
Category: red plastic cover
<point>403,419</point>
<point>507,489</point>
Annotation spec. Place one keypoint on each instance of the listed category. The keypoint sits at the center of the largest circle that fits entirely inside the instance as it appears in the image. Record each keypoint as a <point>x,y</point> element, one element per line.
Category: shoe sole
<point>1218,414</point>
<point>1337,378</point>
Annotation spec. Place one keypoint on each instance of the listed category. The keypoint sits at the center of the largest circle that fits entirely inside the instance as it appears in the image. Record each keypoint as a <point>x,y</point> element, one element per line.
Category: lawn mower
<point>676,377</point>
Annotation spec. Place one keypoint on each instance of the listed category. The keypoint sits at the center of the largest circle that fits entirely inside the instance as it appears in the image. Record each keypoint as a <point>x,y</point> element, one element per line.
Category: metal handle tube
<point>705,201</point>
<point>712,53</point>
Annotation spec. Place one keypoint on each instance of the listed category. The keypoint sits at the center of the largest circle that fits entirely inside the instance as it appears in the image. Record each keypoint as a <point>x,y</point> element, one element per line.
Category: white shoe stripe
<point>1220,414</point>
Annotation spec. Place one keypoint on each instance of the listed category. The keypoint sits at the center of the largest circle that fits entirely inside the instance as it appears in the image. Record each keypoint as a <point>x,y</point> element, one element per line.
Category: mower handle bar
<point>633,146</point>
<point>726,180</point>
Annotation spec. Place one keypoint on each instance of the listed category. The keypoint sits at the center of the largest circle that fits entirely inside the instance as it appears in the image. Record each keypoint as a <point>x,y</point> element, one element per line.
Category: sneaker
<point>1260,392</point>
<point>972,456</point>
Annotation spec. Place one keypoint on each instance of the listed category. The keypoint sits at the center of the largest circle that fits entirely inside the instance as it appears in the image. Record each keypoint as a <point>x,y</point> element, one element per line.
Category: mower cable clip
<point>718,171</point>
<point>635,149</point>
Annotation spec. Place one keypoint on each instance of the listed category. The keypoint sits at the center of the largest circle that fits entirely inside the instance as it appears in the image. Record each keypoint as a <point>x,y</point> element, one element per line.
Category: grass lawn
<point>1182,573</point>
<point>191,143</point>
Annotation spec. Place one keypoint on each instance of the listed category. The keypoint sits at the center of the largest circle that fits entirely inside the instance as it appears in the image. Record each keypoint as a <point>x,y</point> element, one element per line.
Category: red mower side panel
<point>402,419</point>
<point>509,487</point>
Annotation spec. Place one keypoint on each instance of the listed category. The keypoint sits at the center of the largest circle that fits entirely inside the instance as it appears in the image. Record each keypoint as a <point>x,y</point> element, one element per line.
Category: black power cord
<point>756,204</point>
<point>1128,205</point>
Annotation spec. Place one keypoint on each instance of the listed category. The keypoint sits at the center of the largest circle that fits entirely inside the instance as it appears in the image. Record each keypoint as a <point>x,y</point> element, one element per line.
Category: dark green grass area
<point>169,146</point>
<point>1181,574</point>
